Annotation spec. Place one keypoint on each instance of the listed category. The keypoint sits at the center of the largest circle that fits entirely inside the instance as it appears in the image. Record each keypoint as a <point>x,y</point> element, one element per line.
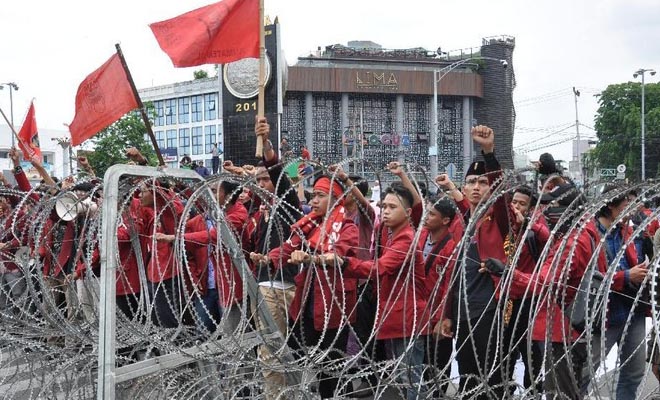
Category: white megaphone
<point>68,206</point>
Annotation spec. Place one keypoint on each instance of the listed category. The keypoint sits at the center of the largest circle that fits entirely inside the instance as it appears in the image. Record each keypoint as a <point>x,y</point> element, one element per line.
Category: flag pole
<point>143,112</point>
<point>262,76</point>
<point>10,125</point>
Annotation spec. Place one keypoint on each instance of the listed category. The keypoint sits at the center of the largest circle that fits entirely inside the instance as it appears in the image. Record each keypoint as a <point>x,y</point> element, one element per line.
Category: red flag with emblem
<point>215,34</point>
<point>102,98</point>
<point>28,136</point>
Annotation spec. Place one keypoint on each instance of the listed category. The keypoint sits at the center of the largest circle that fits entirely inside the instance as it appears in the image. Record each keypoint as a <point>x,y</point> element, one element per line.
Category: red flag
<point>215,34</point>
<point>102,98</point>
<point>28,136</point>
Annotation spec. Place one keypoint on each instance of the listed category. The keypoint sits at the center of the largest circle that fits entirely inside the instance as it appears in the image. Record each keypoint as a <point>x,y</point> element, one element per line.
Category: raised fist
<point>484,136</point>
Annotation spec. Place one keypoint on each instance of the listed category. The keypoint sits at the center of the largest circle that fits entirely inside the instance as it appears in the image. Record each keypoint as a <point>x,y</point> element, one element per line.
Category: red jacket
<point>527,261</point>
<point>53,264</point>
<point>162,262</point>
<point>559,277</point>
<point>399,280</point>
<point>197,238</point>
<point>128,268</point>
<point>334,293</point>
<point>9,236</point>
<point>438,274</point>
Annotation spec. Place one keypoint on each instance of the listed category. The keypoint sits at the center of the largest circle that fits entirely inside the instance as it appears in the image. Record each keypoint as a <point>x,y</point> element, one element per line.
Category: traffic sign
<point>621,168</point>
<point>605,172</point>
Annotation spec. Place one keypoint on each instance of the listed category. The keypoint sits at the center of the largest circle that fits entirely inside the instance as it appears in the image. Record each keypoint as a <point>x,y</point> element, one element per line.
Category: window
<point>197,140</point>
<point>160,139</point>
<point>208,163</point>
<point>209,138</point>
<point>184,110</point>
<point>210,111</point>
<point>184,141</point>
<point>196,108</point>
<point>160,113</point>
<point>170,111</point>
<point>171,138</point>
<point>173,164</point>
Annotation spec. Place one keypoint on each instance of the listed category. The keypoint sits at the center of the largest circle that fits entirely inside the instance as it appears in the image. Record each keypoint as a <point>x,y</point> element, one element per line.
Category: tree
<point>111,143</point>
<point>618,126</point>
<point>200,74</point>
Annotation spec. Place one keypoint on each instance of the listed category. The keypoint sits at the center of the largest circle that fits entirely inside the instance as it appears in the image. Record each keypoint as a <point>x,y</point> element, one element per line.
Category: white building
<point>188,119</point>
<point>55,162</point>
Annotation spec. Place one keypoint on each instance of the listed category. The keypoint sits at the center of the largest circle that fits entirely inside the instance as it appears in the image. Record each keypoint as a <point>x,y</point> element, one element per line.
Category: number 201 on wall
<point>243,107</point>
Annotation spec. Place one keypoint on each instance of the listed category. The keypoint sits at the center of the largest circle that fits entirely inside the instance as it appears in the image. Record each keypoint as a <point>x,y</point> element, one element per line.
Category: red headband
<point>323,184</point>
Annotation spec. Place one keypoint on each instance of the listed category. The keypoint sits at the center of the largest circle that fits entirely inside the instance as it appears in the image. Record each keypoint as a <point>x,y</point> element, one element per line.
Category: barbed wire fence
<point>87,311</point>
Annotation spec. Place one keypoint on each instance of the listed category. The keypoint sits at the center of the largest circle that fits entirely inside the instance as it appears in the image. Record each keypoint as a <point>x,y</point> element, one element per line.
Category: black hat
<point>548,166</point>
<point>476,168</point>
<point>564,194</point>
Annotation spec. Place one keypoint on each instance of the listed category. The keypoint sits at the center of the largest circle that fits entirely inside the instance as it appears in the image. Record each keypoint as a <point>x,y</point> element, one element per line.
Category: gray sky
<point>49,47</point>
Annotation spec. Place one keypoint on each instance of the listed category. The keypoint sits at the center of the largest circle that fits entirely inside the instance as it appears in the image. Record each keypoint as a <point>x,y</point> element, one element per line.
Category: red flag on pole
<point>215,34</point>
<point>102,98</point>
<point>28,136</point>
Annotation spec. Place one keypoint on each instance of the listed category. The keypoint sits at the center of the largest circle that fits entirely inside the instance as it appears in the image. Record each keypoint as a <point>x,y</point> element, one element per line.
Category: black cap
<point>564,194</point>
<point>476,168</point>
<point>548,166</point>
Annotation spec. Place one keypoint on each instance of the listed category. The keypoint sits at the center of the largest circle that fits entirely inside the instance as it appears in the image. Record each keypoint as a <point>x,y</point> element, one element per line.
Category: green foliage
<point>618,125</point>
<point>200,74</point>
<point>111,143</point>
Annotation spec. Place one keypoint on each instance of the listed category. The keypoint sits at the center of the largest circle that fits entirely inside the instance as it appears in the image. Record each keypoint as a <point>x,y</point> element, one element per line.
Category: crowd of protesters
<point>389,292</point>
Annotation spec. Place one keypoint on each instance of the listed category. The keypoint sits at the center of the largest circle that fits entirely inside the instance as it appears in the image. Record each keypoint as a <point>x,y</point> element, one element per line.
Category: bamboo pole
<point>262,77</point>
<point>143,112</point>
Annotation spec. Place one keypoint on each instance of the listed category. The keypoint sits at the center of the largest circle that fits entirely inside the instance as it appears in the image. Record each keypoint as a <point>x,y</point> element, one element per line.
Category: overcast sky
<point>48,47</point>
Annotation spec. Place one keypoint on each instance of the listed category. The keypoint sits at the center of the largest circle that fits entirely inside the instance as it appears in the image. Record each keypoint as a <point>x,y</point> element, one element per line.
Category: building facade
<point>358,101</point>
<point>55,157</point>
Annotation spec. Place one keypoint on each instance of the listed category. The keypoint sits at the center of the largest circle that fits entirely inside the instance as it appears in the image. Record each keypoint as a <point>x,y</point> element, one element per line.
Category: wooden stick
<point>262,77</point>
<point>143,112</point>
<point>12,129</point>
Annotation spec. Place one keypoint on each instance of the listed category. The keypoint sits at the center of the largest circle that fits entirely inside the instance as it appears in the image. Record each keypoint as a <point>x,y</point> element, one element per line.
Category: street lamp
<point>12,86</point>
<point>642,72</point>
<point>437,77</point>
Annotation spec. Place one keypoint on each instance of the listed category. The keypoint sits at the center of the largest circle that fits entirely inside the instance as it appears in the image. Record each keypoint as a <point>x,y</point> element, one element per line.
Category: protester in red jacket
<point>476,312</point>
<point>324,298</point>
<point>160,211</point>
<point>218,284</point>
<point>399,277</point>
<point>518,306</point>
<point>437,245</point>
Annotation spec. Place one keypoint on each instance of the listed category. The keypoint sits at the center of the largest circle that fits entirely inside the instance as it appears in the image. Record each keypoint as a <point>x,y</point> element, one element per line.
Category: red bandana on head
<point>323,184</point>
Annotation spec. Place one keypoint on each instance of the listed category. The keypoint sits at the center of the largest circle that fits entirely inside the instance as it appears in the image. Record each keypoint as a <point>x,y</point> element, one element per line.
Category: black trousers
<point>564,367</point>
<point>305,336</point>
<point>438,359</point>
<point>167,311</point>
<point>478,363</point>
<point>518,334</point>
<point>363,326</point>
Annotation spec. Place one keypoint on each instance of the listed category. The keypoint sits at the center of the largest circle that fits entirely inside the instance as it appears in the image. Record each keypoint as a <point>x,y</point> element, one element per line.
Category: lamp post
<point>12,86</point>
<point>437,77</point>
<point>642,72</point>
<point>576,94</point>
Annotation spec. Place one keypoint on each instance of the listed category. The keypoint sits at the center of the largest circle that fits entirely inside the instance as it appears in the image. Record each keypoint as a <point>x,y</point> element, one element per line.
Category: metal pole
<point>577,130</point>
<point>11,111</point>
<point>362,140</point>
<point>70,157</point>
<point>643,132</point>
<point>433,140</point>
